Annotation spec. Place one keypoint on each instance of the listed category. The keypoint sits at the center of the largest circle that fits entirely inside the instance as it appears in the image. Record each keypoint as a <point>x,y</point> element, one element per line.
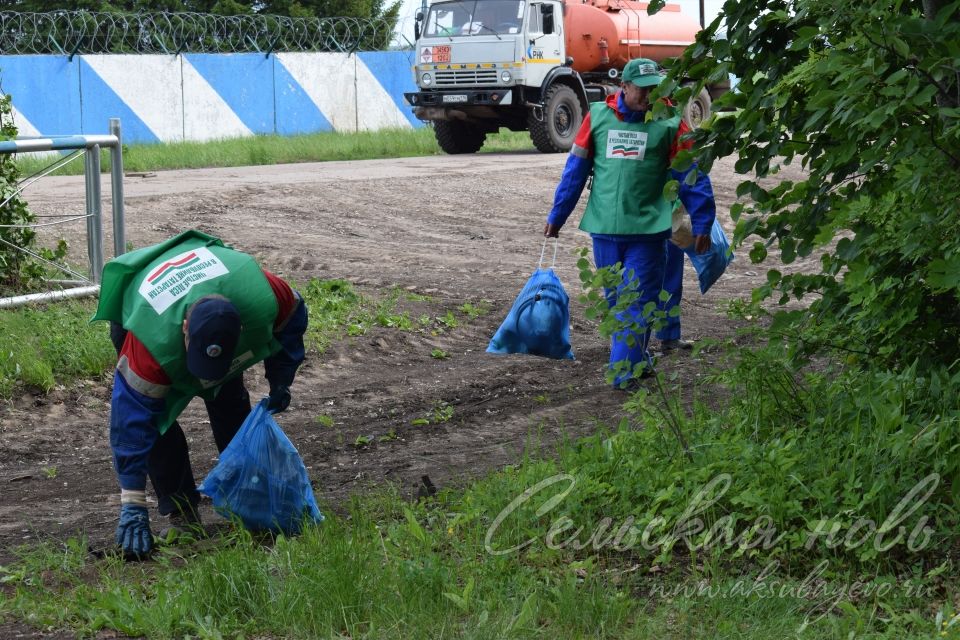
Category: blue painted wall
<point>248,93</point>
<point>46,91</point>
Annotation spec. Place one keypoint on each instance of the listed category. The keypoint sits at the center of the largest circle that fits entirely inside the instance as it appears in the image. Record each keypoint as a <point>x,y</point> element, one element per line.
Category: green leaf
<point>944,274</point>
<point>758,253</point>
<point>654,6</point>
<point>900,47</point>
<point>671,190</point>
<point>414,526</point>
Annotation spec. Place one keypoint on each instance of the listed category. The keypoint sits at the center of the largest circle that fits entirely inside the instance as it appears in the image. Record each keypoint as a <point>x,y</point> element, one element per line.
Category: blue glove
<point>279,398</point>
<point>133,531</point>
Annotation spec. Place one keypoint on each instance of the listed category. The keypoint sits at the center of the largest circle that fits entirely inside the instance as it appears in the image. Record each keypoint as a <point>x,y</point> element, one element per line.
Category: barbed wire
<point>84,32</point>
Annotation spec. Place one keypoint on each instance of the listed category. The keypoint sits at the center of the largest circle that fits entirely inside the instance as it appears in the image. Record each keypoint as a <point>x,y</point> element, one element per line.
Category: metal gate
<point>78,284</point>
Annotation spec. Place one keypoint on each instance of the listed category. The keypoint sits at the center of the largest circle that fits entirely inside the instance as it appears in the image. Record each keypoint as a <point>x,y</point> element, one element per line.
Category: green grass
<point>476,562</point>
<point>337,310</point>
<point>269,149</point>
<point>387,568</point>
<point>41,346</point>
<point>800,447</point>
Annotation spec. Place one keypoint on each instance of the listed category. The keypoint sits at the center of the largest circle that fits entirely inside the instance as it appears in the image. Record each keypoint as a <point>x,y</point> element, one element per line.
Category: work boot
<point>676,344</point>
<point>183,523</point>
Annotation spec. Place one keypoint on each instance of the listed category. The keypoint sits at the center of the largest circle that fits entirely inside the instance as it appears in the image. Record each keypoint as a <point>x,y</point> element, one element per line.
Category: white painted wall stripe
<point>328,80</point>
<point>154,91</point>
<point>24,127</point>
<point>375,108</point>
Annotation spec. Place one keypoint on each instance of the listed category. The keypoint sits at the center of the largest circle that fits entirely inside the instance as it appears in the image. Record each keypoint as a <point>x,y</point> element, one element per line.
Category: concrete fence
<point>162,98</point>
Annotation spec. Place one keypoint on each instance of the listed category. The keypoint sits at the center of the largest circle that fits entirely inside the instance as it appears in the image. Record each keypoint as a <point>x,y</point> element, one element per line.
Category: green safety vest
<point>631,166</point>
<point>148,291</point>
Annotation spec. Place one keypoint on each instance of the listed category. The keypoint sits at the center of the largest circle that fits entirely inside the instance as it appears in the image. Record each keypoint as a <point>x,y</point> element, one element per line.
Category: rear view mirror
<point>547,11</point>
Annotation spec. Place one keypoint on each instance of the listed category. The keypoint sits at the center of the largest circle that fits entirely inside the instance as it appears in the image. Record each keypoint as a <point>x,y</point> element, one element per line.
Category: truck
<point>535,65</point>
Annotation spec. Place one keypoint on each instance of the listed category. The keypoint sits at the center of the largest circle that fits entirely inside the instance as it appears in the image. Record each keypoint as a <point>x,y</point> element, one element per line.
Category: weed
<point>385,314</point>
<point>439,354</point>
<point>362,441</point>
<point>324,420</point>
<point>333,305</point>
<point>473,311</point>
<point>440,413</point>
<point>335,308</point>
<point>448,320</point>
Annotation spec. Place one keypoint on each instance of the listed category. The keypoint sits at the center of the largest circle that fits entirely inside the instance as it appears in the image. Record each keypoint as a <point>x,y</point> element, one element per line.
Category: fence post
<point>94,212</point>
<point>116,188</point>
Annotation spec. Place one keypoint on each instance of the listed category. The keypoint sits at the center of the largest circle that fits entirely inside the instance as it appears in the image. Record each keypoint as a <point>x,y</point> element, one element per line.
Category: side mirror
<point>546,10</point>
<point>416,25</point>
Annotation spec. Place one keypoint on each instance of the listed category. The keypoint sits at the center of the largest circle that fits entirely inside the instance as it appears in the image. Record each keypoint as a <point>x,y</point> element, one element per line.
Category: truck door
<point>545,45</point>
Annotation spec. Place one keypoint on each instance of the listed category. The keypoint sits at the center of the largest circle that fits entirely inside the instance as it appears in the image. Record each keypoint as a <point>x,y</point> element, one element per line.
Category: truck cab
<point>480,66</point>
<point>534,65</point>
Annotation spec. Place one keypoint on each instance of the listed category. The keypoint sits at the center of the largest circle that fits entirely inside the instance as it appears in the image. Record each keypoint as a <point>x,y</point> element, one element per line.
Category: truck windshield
<point>474,17</point>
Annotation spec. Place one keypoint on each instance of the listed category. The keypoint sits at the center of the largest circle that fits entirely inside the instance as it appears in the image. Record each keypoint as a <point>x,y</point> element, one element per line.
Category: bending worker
<point>188,316</point>
<point>626,214</point>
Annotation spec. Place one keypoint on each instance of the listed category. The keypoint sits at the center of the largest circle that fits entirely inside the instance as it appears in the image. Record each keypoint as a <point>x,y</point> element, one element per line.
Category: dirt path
<point>457,230</point>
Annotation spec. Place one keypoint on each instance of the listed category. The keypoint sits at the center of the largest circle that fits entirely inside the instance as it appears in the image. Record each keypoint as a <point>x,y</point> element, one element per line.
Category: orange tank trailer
<point>605,34</point>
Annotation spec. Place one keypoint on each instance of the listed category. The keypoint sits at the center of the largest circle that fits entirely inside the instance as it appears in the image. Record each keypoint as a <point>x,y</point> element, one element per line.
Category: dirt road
<point>453,229</point>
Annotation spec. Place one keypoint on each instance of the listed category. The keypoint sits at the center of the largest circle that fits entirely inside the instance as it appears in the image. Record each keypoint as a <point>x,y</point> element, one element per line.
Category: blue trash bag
<point>261,480</point>
<point>711,264</point>
<point>538,322</point>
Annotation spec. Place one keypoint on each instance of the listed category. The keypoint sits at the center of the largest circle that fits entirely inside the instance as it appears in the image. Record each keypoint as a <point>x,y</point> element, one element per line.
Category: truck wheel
<point>561,120</point>
<point>454,136</point>
<point>697,109</point>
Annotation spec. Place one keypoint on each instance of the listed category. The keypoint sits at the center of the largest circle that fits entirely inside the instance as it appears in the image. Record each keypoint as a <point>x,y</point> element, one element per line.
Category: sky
<point>409,9</point>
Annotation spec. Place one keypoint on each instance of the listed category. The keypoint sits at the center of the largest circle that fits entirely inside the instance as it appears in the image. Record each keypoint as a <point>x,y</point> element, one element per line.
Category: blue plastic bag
<point>261,480</point>
<point>711,264</point>
<point>538,322</point>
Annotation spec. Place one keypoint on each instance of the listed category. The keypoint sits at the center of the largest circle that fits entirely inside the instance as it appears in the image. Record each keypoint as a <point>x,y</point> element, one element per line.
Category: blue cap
<point>213,331</point>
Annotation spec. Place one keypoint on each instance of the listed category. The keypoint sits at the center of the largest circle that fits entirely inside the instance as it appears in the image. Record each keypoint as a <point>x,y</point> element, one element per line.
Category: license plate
<point>457,97</point>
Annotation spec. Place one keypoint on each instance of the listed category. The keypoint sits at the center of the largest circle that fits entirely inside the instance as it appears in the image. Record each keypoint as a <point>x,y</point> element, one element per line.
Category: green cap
<point>642,72</point>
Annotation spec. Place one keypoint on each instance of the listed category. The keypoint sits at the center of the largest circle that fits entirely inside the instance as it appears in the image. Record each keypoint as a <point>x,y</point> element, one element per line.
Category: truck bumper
<point>459,98</point>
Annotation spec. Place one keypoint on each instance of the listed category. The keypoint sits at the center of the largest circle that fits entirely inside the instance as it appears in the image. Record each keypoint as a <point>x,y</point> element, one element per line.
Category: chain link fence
<point>81,32</point>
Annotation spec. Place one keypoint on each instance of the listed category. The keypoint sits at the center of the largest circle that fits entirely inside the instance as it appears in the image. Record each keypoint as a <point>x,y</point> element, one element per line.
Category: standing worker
<point>627,216</point>
<point>188,316</point>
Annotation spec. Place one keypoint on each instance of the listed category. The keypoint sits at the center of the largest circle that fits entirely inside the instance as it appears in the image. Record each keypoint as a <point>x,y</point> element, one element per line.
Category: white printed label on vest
<point>170,281</point>
<point>626,145</point>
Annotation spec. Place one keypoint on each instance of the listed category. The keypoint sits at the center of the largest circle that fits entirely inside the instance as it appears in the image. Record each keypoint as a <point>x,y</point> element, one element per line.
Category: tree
<point>865,94</point>
<point>372,9</point>
<point>16,269</point>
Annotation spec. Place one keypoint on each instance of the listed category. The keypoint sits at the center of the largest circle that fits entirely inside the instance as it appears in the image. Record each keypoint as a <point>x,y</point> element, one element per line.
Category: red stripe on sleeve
<point>142,361</point>
<point>286,301</point>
